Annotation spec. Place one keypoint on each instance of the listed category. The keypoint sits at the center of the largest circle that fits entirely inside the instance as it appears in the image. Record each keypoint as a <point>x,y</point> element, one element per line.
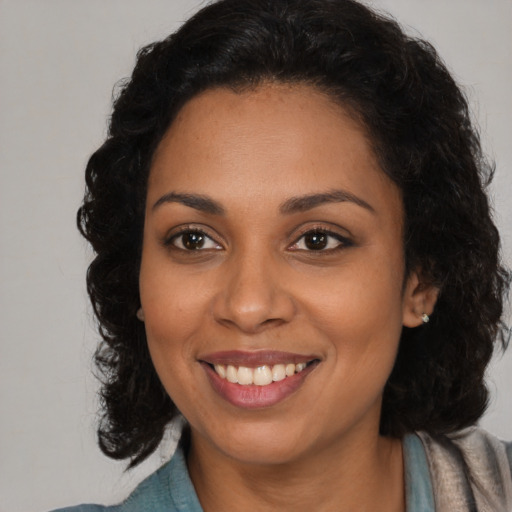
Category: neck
<point>364,476</point>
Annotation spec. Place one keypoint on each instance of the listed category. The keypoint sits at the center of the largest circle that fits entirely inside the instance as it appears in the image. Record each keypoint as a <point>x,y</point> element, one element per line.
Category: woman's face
<point>272,275</point>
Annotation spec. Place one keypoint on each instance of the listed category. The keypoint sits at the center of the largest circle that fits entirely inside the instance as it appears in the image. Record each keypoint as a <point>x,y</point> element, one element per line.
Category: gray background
<point>58,62</point>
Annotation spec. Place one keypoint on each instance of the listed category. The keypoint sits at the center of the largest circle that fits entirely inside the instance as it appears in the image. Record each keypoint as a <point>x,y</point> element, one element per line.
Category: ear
<point>419,299</point>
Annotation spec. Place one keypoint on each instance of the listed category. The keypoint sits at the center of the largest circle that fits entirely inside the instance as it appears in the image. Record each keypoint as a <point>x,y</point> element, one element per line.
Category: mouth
<point>261,375</point>
<point>257,379</point>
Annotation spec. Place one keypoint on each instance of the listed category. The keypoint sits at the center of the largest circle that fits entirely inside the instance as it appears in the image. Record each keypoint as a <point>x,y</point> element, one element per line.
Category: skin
<point>255,285</point>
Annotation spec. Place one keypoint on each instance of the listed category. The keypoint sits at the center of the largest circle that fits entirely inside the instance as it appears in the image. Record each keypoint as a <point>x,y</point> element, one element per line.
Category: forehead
<point>271,141</point>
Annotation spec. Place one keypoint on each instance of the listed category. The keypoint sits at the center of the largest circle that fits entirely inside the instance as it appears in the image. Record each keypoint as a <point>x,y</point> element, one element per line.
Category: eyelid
<point>319,225</point>
<point>326,227</point>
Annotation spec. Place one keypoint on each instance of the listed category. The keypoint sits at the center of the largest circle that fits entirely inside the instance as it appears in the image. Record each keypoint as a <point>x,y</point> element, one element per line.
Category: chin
<point>260,444</point>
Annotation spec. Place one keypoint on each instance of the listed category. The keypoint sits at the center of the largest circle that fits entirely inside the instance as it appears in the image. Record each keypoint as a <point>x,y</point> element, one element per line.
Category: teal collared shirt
<point>170,489</point>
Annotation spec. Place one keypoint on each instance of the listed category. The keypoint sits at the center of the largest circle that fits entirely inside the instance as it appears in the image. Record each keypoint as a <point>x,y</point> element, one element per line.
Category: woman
<point>295,252</point>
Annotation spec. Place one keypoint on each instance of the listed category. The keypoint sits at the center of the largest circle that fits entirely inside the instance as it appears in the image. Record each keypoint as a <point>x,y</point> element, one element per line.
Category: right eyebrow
<point>198,202</point>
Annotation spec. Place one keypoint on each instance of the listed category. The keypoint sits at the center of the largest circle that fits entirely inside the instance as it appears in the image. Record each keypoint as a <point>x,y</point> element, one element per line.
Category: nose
<point>252,296</point>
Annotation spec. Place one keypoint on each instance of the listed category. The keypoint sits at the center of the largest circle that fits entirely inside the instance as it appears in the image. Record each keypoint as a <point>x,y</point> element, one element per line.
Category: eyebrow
<point>198,202</point>
<point>307,202</point>
<point>293,205</point>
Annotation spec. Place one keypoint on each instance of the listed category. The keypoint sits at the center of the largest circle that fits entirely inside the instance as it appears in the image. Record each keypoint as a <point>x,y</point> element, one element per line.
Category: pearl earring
<point>425,318</point>
<point>140,314</point>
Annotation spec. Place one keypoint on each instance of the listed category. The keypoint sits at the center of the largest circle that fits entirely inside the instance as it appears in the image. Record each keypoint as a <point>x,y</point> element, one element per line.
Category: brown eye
<point>316,240</point>
<point>193,241</point>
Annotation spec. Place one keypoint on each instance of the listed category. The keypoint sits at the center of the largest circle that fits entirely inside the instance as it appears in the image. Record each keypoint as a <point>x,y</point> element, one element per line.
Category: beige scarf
<point>471,472</point>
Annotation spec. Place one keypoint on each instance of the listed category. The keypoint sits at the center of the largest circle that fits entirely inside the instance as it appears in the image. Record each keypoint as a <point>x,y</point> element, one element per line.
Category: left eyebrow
<point>307,202</point>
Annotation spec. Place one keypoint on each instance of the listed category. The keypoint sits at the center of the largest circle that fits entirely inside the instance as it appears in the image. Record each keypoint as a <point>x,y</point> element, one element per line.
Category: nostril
<point>271,321</point>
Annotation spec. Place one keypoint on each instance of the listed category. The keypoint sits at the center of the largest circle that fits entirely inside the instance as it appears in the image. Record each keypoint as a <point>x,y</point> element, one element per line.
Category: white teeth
<point>245,375</point>
<point>290,369</point>
<point>278,372</point>
<point>221,370</point>
<point>232,374</point>
<point>260,376</point>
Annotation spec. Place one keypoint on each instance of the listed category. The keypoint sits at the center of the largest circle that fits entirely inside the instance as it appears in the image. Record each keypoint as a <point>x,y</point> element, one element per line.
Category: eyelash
<point>342,242</point>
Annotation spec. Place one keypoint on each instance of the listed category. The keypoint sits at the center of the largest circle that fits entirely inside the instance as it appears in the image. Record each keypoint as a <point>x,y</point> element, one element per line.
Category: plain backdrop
<point>59,60</point>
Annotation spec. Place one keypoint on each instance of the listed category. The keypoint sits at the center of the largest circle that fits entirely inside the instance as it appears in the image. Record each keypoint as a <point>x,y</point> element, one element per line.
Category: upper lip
<point>253,359</point>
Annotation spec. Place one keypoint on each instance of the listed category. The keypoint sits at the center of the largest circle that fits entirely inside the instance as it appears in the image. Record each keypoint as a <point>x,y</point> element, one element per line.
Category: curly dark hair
<point>418,121</point>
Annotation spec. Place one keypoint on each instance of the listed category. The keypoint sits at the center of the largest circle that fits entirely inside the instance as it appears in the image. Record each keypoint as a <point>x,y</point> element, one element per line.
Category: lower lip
<point>257,397</point>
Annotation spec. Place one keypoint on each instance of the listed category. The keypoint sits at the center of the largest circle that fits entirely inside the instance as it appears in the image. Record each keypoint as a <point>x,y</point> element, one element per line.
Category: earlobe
<point>419,301</point>
<point>140,314</point>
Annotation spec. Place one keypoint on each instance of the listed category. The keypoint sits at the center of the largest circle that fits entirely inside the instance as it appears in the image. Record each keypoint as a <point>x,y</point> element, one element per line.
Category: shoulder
<point>83,508</point>
<point>470,468</point>
<point>474,447</point>
<point>167,490</point>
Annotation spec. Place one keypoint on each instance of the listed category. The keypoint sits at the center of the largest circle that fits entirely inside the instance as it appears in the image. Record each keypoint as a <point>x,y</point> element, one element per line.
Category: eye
<point>320,240</point>
<point>193,240</point>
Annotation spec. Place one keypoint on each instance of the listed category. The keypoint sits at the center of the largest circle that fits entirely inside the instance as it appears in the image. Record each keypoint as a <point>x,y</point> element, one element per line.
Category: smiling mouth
<point>259,376</point>
<point>257,379</point>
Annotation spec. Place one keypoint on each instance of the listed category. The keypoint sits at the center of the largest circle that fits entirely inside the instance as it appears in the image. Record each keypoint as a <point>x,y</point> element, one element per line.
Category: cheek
<point>171,322</point>
<point>172,314</point>
<point>361,297</point>
<point>359,311</point>
<point>172,308</point>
